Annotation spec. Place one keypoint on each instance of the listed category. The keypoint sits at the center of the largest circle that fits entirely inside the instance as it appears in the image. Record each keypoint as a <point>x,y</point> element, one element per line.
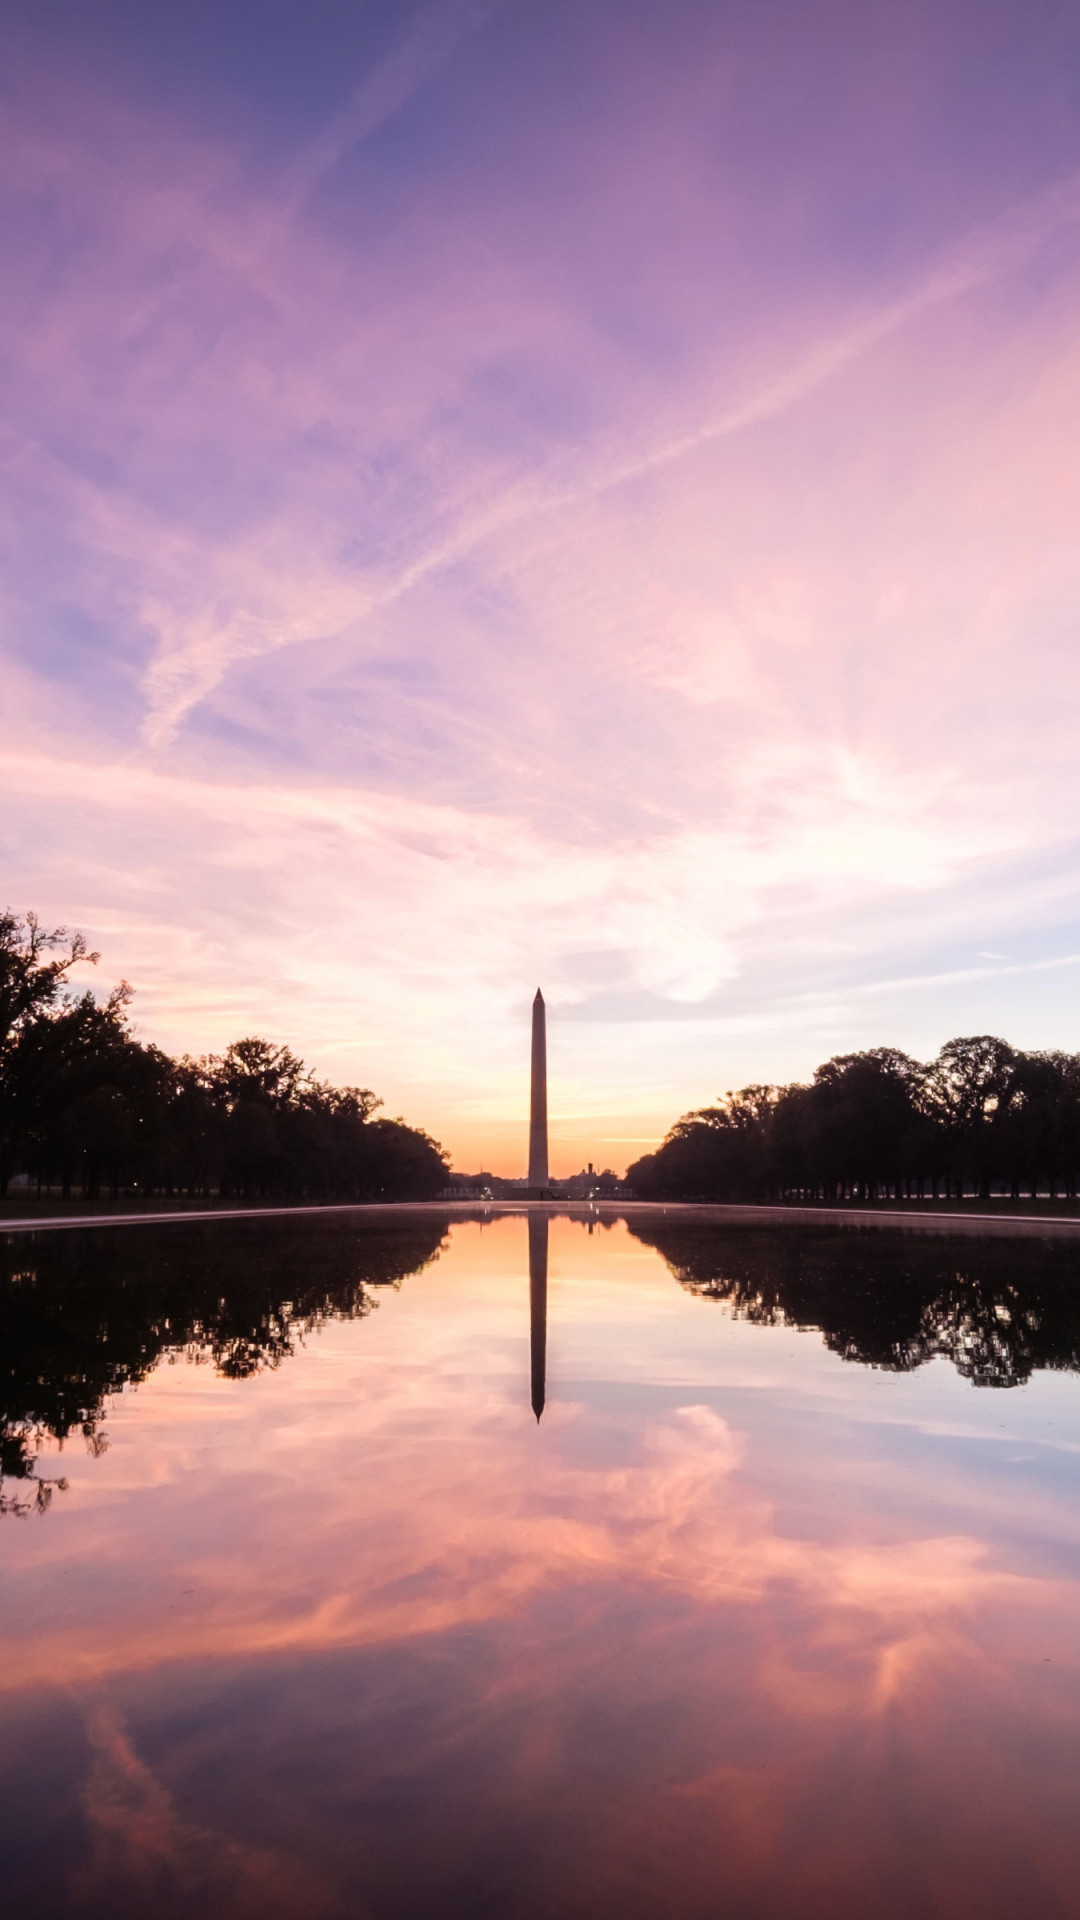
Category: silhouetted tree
<point>863,1120</point>
<point>29,979</point>
<point>879,1124</point>
<point>717,1153</point>
<point>83,1101</point>
<point>34,965</point>
<point>1041,1127</point>
<point>967,1092</point>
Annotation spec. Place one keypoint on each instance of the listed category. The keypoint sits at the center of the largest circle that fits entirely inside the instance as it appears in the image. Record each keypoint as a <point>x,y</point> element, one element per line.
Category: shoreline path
<point>720,1212</point>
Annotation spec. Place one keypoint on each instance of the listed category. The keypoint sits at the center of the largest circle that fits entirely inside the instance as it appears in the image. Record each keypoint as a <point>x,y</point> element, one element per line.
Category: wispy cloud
<point>980,257</point>
<point>194,653</point>
<point>428,42</point>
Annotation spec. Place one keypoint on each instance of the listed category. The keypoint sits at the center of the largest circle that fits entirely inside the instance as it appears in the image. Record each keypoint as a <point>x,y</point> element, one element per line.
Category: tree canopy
<point>981,1117</point>
<point>85,1104</point>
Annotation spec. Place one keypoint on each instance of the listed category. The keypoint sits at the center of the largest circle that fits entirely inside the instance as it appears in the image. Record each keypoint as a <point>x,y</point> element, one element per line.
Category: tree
<point>83,1100</point>
<point>255,1072</point>
<point>66,1073</point>
<point>29,981</point>
<point>875,1124</point>
<point>715,1153</point>
<point>861,1120</point>
<point>967,1092</point>
<point>1041,1128</point>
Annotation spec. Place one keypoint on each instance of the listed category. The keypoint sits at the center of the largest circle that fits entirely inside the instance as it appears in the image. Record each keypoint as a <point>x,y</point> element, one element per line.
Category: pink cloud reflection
<point>757,1689</point>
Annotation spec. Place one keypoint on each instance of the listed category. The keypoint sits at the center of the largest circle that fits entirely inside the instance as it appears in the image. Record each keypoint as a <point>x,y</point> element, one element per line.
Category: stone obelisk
<point>538,1138</point>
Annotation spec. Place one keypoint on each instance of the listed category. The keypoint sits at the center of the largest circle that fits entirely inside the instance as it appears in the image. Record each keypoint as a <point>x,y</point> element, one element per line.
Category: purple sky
<point>499,493</point>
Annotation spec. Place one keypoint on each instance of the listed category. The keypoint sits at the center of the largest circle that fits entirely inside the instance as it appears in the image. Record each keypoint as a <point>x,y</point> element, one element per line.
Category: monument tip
<point>539,997</point>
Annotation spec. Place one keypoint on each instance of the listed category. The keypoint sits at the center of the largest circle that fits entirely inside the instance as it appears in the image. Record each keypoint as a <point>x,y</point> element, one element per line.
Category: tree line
<point>86,1106</point>
<point>982,1118</point>
<point>84,1316</point>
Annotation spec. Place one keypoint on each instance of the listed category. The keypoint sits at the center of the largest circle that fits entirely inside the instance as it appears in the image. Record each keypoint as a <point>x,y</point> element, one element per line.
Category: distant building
<point>582,1186</point>
<point>590,1185</point>
<point>468,1186</point>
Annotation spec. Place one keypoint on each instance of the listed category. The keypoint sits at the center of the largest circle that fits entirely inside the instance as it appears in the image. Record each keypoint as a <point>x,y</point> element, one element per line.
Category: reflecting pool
<point>385,1565</point>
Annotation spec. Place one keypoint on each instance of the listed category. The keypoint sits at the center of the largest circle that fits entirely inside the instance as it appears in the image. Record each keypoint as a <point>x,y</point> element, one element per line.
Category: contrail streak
<point>426,46</point>
<point>983,256</point>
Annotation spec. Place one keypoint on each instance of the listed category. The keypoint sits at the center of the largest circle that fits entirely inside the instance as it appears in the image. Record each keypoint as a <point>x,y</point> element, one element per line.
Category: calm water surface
<point>774,1611</point>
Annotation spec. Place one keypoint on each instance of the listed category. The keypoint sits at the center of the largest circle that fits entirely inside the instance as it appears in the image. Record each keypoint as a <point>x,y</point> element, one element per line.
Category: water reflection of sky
<point>738,1628</point>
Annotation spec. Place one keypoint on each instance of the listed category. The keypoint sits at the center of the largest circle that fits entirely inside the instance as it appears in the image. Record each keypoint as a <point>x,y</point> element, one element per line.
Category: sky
<point>499,493</point>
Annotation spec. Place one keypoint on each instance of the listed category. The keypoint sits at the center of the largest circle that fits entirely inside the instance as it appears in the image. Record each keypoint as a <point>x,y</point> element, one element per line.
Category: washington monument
<point>538,1131</point>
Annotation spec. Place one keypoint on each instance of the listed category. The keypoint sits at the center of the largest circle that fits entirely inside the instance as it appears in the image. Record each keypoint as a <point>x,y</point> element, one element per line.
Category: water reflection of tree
<point>999,1309</point>
<point>84,1316</point>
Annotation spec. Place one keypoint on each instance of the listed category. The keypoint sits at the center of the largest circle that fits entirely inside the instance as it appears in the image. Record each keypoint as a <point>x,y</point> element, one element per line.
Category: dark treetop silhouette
<point>83,1102</point>
<point>982,1117</point>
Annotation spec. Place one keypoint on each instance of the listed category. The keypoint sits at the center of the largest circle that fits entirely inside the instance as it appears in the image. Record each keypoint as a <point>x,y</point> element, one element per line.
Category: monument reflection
<point>774,1617</point>
<point>538,1280</point>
